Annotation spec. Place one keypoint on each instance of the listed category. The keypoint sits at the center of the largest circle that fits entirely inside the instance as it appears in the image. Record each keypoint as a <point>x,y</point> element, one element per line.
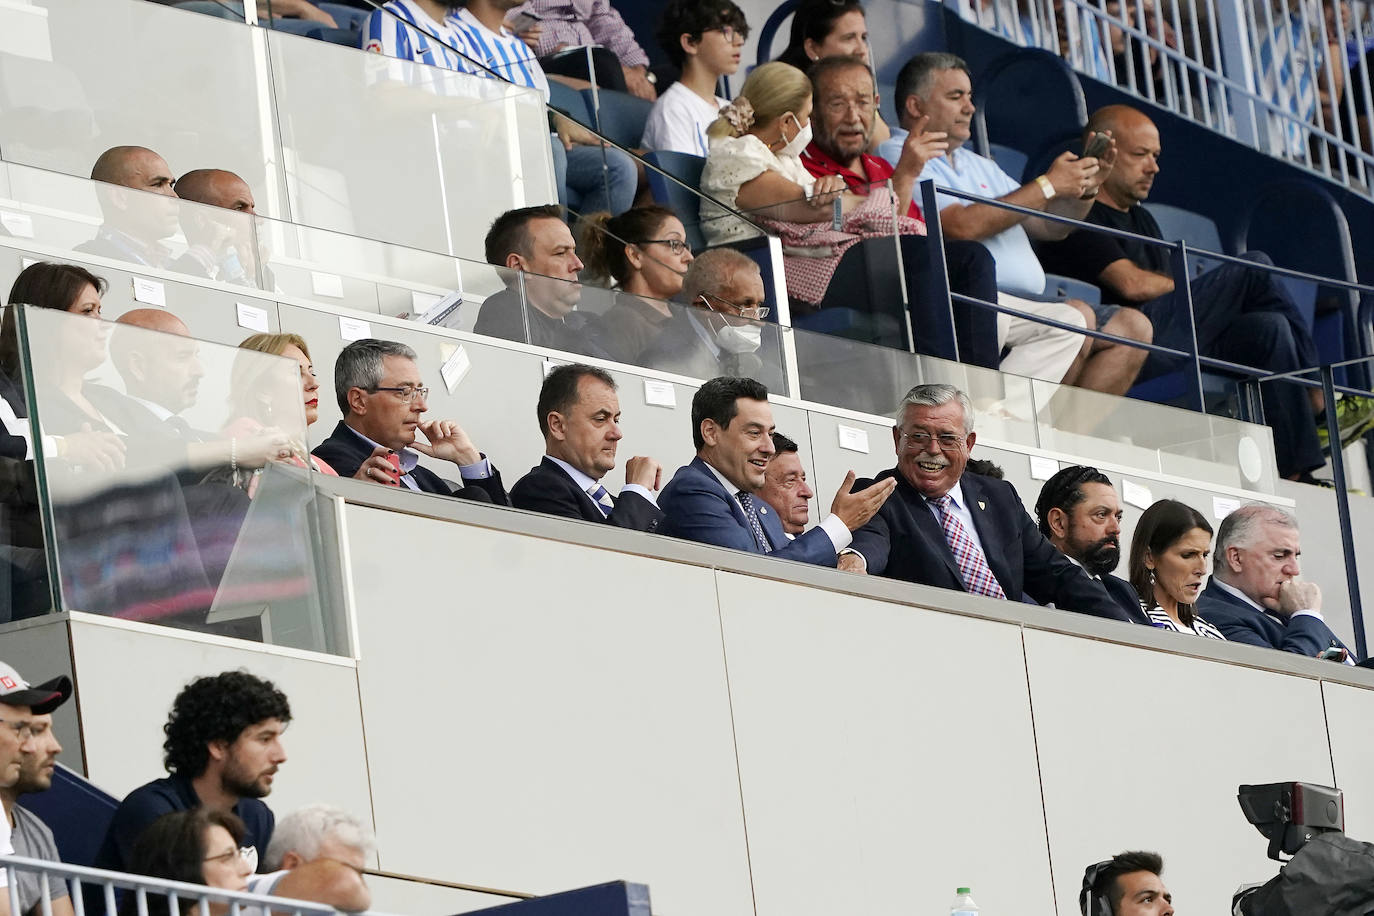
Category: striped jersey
<point>402,29</point>
<point>503,52</point>
<point>1161,619</point>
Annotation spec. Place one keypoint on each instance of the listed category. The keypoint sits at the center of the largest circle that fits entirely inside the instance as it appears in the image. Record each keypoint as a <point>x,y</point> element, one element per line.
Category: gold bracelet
<point>1046,186</point>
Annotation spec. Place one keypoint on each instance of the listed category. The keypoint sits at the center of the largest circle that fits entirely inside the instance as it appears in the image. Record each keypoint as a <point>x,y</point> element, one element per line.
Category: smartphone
<point>395,461</point>
<point>523,22</point>
<point>1335,653</point>
<point>1097,144</point>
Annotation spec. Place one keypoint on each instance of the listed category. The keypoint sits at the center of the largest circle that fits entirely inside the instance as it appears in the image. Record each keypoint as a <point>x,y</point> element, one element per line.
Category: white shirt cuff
<point>839,532</point>
<point>478,471</point>
<point>648,494</point>
<point>1308,612</point>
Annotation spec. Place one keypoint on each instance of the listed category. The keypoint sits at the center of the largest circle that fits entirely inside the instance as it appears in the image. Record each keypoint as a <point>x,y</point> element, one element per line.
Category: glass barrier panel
<point>73,94</point>
<point>404,152</point>
<point>123,224</point>
<point>173,479</point>
<point>1099,427</point>
<point>872,379</point>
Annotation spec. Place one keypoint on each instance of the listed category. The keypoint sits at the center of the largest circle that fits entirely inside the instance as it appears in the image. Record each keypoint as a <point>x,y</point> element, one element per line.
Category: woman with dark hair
<point>645,252</point>
<point>831,28</point>
<point>1168,565</point>
<point>199,846</point>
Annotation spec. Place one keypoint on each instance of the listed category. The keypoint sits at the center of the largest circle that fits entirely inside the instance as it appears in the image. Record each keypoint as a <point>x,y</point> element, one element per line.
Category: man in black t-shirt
<point>1243,315</point>
<point>222,750</point>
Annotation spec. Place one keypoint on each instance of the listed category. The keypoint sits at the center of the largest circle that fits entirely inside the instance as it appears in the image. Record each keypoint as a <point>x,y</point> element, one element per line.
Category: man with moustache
<point>222,751</point>
<point>714,500</point>
<point>31,837</point>
<point>1079,512</point>
<point>135,224</point>
<point>785,487</point>
<point>1242,314</point>
<point>962,531</point>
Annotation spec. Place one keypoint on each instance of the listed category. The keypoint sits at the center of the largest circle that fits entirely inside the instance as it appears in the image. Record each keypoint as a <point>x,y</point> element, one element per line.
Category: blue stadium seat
<point>569,101</point>
<point>1029,97</point>
<point>770,30</point>
<point>1197,230</point>
<point>686,168</point>
<point>78,812</point>
<point>1012,161</point>
<point>621,116</point>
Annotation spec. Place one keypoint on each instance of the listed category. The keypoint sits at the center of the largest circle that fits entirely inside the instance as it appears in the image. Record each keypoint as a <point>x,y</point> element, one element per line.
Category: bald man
<point>219,245</point>
<point>1243,315</point>
<point>161,374</point>
<point>135,223</point>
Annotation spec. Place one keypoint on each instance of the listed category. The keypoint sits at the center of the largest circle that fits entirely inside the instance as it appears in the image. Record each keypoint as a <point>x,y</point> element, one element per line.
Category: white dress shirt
<point>836,530</point>
<point>588,485</point>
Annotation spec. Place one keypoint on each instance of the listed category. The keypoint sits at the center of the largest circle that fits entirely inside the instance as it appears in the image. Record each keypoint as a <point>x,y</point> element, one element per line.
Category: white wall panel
<point>1144,750</point>
<point>560,712</point>
<point>886,754</point>
<point>1349,710</point>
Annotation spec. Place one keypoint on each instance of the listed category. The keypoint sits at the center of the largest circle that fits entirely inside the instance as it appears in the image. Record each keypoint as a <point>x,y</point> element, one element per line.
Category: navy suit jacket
<point>697,508</point>
<point>548,488</point>
<point>1123,593</point>
<point>345,451</point>
<point>1240,622</point>
<point>905,541</point>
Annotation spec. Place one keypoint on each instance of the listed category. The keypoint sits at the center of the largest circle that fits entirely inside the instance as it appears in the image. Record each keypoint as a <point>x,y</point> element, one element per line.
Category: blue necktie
<point>746,502</point>
<point>602,499</point>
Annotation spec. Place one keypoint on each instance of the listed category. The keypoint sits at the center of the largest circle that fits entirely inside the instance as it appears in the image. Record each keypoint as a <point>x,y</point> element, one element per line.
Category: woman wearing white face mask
<point>754,165</point>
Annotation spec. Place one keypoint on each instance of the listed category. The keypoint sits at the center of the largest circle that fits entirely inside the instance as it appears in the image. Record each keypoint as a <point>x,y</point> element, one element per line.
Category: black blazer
<point>1123,593</point>
<point>345,451</point>
<point>905,541</point>
<point>548,488</point>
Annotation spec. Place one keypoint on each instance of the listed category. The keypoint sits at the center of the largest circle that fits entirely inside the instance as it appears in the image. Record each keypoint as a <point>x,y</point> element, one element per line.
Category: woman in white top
<point>703,39</point>
<point>1169,554</point>
<point>754,164</point>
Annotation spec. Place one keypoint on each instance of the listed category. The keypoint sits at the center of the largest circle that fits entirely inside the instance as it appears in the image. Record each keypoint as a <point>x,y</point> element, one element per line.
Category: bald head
<point>216,188</point>
<point>163,368</point>
<point>155,320</point>
<point>1137,155</point>
<point>134,167</point>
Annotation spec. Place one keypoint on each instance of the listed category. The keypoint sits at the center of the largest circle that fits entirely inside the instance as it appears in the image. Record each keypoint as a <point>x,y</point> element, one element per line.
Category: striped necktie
<point>602,499</point>
<point>973,566</point>
<point>746,502</point>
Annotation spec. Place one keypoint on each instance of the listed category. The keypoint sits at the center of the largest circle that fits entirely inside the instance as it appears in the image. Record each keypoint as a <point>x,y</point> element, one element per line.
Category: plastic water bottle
<point>963,904</point>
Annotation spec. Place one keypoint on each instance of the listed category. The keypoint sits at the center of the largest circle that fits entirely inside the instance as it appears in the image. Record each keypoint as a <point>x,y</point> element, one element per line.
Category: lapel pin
<point>982,505</point>
<point>763,510</point>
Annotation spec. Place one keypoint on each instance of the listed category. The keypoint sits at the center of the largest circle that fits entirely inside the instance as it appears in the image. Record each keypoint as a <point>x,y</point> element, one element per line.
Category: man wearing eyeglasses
<point>962,531</point>
<point>720,334</point>
<point>20,708</point>
<point>383,399</point>
<point>31,837</point>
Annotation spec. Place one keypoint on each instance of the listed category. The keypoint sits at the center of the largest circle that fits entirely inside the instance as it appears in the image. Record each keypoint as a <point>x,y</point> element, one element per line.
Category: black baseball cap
<point>44,698</point>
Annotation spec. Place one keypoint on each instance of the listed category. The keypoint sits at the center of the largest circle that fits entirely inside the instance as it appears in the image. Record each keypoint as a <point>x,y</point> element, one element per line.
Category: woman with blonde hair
<point>259,405</point>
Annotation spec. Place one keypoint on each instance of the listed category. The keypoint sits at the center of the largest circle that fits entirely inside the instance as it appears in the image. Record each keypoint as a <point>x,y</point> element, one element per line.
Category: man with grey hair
<point>933,92</point>
<point>719,334</point>
<point>382,397</point>
<point>966,532</point>
<point>318,853</point>
<point>1256,595</point>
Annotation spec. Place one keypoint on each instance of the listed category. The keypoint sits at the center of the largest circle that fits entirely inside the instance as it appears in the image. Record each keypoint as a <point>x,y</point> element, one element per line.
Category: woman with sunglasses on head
<point>644,251</point>
<point>1169,552</point>
<point>703,39</point>
<point>198,846</point>
<point>830,28</point>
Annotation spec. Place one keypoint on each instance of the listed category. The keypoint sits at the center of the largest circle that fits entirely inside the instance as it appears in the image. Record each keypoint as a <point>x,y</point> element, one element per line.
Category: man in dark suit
<point>1255,595</point>
<point>135,224</point>
<point>579,415</point>
<point>382,397</point>
<point>539,253</point>
<point>785,487</point>
<point>959,531</point>
<point>715,499</point>
<point>1079,512</point>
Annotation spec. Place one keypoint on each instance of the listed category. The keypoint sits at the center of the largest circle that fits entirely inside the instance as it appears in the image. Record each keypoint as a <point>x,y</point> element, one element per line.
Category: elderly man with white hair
<point>318,853</point>
<point>1257,596</point>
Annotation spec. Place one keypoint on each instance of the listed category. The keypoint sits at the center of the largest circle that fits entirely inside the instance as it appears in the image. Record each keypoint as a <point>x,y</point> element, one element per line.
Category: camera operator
<point>1127,884</point>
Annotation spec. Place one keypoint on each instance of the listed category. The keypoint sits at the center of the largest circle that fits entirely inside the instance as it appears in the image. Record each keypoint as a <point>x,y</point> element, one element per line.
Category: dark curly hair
<point>216,708</point>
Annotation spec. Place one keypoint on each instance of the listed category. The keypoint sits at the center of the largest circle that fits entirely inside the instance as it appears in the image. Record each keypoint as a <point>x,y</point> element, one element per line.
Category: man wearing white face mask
<point>720,334</point>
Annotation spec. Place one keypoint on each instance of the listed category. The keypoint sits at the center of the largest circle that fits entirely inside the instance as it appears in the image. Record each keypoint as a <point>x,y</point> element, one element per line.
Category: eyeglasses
<point>406,393</point>
<point>249,855</point>
<point>23,730</point>
<point>918,440</point>
<point>676,246</point>
<point>731,34</point>
<point>839,107</point>
<point>752,312</point>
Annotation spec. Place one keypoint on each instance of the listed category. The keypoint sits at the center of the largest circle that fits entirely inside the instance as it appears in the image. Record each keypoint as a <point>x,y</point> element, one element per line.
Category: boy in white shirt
<point>703,38</point>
